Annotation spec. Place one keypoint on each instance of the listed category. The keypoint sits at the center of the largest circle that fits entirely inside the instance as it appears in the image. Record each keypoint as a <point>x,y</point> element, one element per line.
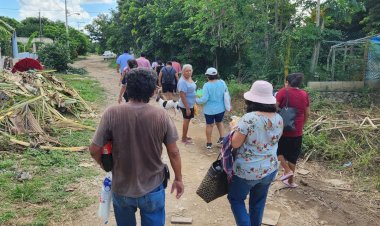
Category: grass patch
<point>88,88</point>
<point>112,63</point>
<point>53,190</point>
<point>53,172</point>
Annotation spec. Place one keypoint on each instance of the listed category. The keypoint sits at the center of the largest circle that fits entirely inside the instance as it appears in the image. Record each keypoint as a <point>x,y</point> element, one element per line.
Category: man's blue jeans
<point>151,205</point>
<point>238,190</point>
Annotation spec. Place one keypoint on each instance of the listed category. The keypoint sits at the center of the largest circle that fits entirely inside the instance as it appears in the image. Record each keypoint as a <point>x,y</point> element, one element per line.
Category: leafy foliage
<point>246,40</point>
<point>55,56</point>
<point>30,27</point>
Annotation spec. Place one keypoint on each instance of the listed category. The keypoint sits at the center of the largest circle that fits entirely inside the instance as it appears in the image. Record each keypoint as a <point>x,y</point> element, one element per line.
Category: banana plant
<point>5,30</point>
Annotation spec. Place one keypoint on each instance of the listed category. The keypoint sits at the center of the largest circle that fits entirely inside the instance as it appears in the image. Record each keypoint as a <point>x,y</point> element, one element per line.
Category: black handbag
<point>214,184</point>
<point>288,115</point>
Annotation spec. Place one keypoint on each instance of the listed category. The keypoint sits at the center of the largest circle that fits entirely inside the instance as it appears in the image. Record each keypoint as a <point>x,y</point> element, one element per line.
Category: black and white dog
<point>167,104</point>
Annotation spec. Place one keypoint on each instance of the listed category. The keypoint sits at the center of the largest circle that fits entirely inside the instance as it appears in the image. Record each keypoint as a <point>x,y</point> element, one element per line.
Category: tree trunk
<point>287,58</point>
<point>317,45</point>
<point>276,27</point>
<point>239,60</point>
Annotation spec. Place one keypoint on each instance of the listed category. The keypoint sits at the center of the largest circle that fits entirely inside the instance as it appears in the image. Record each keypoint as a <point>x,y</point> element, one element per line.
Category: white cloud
<point>96,1</point>
<point>54,10</point>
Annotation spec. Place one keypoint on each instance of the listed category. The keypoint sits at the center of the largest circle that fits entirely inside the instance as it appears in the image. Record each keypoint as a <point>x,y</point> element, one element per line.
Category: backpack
<point>168,77</point>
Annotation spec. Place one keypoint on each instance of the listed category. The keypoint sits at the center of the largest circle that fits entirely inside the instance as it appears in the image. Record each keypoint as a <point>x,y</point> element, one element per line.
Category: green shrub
<point>55,56</point>
<point>236,88</point>
<point>77,71</point>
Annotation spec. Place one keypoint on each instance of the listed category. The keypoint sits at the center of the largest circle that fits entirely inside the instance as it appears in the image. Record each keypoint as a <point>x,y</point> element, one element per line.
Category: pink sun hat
<point>261,92</point>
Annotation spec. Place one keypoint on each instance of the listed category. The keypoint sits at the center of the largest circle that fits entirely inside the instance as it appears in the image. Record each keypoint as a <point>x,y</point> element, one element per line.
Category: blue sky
<point>82,11</point>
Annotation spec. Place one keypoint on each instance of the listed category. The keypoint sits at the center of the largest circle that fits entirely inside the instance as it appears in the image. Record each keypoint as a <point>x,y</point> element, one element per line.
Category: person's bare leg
<point>292,167</point>
<point>185,128</point>
<point>284,164</point>
<point>220,127</point>
<point>209,132</point>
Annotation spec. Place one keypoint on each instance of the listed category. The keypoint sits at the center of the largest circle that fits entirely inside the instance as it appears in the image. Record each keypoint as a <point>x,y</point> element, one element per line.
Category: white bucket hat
<point>211,71</point>
<point>261,92</point>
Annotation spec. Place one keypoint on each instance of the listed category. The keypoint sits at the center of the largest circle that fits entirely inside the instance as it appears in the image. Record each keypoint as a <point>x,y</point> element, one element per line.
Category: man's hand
<point>178,186</point>
<point>119,100</point>
<point>96,153</point>
<point>188,112</point>
<point>175,161</point>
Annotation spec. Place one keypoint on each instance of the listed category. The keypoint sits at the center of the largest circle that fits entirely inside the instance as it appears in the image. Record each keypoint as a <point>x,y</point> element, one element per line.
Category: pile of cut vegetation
<point>345,130</point>
<point>33,103</point>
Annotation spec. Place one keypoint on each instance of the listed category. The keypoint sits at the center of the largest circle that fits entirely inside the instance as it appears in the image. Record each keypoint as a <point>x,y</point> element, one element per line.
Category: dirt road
<point>323,197</point>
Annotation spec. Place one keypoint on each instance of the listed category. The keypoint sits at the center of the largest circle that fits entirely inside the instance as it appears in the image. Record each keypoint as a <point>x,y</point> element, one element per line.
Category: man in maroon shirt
<point>290,143</point>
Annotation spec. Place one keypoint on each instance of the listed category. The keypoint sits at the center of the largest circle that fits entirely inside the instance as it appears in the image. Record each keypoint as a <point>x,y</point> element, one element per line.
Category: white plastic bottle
<point>105,198</point>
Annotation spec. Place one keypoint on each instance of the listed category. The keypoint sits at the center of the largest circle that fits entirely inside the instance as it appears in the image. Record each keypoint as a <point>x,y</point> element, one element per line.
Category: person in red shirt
<point>142,62</point>
<point>289,146</point>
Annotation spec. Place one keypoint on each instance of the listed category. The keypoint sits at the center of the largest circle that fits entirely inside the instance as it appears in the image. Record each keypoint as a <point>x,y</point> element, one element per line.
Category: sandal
<point>189,138</point>
<point>286,176</point>
<point>187,142</point>
<point>292,185</point>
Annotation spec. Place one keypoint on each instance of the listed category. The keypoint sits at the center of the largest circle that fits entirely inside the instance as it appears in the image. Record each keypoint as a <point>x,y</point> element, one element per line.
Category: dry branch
<point>32,104</point>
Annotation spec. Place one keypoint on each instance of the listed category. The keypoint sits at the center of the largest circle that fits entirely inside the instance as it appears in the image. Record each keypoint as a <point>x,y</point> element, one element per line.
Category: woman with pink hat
<point>255,166</point>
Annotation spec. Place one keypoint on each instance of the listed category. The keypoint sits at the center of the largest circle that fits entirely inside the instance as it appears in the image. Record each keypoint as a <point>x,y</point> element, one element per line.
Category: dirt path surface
<point>322,198</point>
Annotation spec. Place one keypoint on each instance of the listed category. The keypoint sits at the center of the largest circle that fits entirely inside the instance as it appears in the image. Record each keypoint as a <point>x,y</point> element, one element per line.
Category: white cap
<point>211,71</point>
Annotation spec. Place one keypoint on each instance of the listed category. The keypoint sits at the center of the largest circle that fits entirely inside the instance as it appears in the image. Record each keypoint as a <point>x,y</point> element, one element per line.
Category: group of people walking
<point>138,130</point>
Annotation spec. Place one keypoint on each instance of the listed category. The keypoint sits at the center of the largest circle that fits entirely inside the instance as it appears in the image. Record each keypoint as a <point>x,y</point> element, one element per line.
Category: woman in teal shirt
<point>213,98</point>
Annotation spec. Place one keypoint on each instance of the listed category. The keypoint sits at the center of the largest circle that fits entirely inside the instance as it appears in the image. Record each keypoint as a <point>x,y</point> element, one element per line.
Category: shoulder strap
<point>287,97</point>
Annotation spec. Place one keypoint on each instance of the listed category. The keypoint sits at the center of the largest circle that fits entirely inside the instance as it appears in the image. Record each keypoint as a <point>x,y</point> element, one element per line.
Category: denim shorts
<point>210,119</point>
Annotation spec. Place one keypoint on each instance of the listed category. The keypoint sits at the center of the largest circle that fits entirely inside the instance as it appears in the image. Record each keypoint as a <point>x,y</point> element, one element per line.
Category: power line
<point>50,10</point>
<point>32,10</point>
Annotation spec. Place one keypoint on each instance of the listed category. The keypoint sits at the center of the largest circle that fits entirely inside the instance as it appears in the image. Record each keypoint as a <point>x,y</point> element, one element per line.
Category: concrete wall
<point>336,85</point>
<point>373,84</point>
<point>1,63</point>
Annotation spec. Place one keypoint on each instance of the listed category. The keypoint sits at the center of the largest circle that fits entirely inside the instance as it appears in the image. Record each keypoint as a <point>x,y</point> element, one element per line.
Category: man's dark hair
<point>126,51</point>
<point>141,84</point>
<point>169,63</point>
<point>295,79</point>
<point>212,77</point>
<point>254,106</point>
<point>142,54</point>
<point>132,63</point>
<point>159,62</point>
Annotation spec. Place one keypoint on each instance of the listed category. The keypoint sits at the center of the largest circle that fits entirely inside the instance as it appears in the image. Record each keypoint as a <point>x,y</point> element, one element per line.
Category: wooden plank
<point>181,220</point>
<point>271,217</point>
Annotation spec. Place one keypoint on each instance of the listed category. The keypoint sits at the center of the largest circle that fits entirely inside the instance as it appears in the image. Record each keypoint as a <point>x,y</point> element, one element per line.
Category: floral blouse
<point>257,157</point>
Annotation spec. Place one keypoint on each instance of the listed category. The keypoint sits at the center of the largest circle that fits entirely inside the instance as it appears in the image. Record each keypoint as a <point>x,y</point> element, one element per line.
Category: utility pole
<point>67,26</point>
